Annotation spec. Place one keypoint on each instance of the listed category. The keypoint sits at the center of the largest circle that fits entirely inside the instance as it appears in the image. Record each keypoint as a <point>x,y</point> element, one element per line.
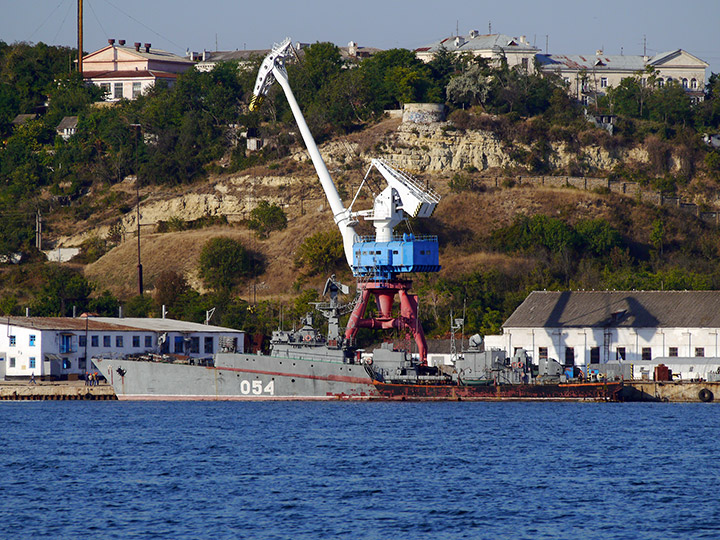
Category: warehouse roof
<point>111,324</point>
<point>635,309</point>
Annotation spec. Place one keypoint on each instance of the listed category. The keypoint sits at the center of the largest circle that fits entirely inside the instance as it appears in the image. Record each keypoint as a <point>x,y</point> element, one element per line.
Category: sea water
<point>307,470</point>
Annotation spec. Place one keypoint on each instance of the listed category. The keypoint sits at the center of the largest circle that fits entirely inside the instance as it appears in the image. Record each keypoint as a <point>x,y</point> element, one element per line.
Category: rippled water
<point>359,470</point>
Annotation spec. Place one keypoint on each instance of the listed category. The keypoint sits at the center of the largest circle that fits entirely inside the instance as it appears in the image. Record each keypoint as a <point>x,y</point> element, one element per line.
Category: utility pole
<point>38,230</point>
<point>136,129</point>
<point>80,35</point>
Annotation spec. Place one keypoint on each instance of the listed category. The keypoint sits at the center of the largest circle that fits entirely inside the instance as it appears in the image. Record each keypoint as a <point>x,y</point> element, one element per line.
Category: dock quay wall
<point>675,391</point>
<point>43,391</point>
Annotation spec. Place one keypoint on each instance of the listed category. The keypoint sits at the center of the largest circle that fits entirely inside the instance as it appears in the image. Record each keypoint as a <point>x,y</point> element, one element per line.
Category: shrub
<point>224,262</point>
<point>266,217</point>
<point>320,252</point>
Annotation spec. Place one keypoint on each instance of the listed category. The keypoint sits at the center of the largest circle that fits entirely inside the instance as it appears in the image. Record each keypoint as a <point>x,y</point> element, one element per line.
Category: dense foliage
<point>177,135</point>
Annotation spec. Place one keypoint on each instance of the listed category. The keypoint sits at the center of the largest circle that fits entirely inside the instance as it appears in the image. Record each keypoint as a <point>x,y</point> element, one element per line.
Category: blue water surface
<point>359,470</point>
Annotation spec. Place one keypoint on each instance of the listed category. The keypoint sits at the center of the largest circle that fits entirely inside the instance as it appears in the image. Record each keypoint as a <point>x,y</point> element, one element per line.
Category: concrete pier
<point>43,390</point>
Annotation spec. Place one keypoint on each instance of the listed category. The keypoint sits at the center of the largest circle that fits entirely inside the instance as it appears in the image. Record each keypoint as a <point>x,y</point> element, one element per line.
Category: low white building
<point>61,346</point>
<point>579,328</point>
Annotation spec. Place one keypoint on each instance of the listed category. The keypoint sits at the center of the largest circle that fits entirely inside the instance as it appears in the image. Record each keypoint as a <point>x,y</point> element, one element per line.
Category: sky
<point>567,27</point>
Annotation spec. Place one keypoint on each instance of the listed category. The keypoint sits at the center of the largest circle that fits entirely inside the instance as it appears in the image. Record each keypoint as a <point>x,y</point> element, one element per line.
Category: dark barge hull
<point>602,391</point>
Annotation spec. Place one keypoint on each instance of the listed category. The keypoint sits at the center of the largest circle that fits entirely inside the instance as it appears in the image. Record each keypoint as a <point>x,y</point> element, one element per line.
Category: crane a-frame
<point>376,261</point>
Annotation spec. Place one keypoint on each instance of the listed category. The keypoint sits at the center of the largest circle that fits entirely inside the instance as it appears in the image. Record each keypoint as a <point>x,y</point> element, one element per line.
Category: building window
<point>660,83</point>
<point>620,353</point>
<point>148,341</point>
<point>136,90</point>
<point>646,353</point>
<point>32,340</point>
<point>31,362</point>
<point>673,352</point>
<point>684,83</point>
<point>195,344</point>
<point>106,341</point>
<point>594,355</point>
<point>209,349</point>
<point>693,83</point>
<point>13,341</point>
<point>585,101</point>
<point>136,342</point>
<point>66,343</point>
<point>82,341</point>
<point>569,356</point>
<point>179,344</point>
<point>118,90</point>
<point>542,353</point>
<point>12,362</point>
<point>118,341</point>
<point>524,63</point>
<point>82,363</point>
<point>603,82</point>
<point>66,363</point>
<point>94,341</point>
<point>699,351</point>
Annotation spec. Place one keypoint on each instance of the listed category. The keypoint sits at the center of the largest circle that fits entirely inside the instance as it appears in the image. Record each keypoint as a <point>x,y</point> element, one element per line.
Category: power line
<point>63,22</point>
<point>47,19</point>
<point>97,20</point>
<point>143,24</point>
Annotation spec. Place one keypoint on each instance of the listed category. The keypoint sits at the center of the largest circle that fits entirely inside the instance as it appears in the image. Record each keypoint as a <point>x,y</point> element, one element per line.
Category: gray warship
<point>302,364</point>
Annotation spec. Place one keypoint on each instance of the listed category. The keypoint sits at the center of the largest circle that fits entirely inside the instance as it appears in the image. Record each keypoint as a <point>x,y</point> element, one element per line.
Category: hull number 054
<point>256,388</point>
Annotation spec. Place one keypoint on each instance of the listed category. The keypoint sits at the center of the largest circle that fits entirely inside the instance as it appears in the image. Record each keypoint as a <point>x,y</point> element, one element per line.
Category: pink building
<point>126,72</point>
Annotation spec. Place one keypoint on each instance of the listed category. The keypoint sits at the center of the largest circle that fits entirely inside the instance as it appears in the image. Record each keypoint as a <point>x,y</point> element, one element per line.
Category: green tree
<point>170,287</point>
<point>657,235</point>
<point>105,305</point>
<point>670,104</point>
<point>598,236</point>
<point>63,288</point>
<point>266,217</point>
<point>320,253</point>
<point>140,305</point>
<point>224,263</point>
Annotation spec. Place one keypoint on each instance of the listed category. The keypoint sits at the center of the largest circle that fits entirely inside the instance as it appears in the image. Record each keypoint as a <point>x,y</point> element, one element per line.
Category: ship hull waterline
<point>252,378</point>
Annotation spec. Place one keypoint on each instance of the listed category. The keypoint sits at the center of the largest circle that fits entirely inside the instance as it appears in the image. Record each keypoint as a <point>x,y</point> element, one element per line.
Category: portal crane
<point>376,261</point>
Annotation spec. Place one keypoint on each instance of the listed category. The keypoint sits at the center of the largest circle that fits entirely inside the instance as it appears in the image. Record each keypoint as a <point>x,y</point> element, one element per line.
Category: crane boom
<point>378,261</point>
<point>271,70</point>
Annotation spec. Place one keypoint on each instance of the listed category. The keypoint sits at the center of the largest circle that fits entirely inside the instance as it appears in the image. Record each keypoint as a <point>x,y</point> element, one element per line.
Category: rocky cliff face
<point>437,147</point>
<point>419,148</point>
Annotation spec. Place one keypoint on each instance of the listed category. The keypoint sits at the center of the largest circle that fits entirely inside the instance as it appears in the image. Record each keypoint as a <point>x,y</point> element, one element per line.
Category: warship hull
<point>238,377</point>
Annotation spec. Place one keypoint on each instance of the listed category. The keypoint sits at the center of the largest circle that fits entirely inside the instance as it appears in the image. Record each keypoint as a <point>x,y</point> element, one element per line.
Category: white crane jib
<point>272,69</point>
<point>402,196</point>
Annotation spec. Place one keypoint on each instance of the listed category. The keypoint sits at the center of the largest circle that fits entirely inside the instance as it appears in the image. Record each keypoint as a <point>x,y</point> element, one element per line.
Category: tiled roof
<point>590,62</point>
<point>479,42</point>
<point>128,74</point>
<point>67,122</point>
<point>97,324</point>
<point>635,309</point>
<point>224,56</point>
<point>22,118</point>
<point>153,54</point>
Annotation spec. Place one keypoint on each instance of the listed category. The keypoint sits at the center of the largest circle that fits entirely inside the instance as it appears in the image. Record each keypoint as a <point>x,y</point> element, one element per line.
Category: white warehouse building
<point>579,328</point>
<point>61,346</point>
